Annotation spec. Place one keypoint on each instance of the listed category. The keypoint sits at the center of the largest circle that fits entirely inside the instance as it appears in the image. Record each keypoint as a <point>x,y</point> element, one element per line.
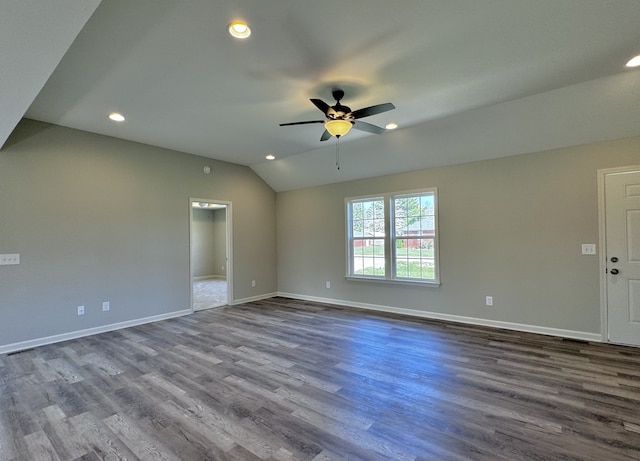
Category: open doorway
<point>210,253</point>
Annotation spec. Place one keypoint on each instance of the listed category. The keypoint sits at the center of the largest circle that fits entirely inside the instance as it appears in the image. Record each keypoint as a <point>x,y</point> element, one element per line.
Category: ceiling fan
<point>340,119</point>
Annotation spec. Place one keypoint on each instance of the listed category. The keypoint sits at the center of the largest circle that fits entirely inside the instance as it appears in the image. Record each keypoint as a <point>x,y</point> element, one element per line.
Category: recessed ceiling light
<point>116,117</point>
<point>391,126</point>
<point>270,157</point>
<point>634,62</point>
<point>239,29</point>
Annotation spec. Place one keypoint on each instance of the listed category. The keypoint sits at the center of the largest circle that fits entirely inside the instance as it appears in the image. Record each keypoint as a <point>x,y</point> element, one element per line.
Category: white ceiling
<point>34,36</point>
<point>470,79</point>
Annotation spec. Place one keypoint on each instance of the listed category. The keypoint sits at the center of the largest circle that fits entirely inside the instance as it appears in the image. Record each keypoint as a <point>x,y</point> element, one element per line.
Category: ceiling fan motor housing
<point>339,112</point>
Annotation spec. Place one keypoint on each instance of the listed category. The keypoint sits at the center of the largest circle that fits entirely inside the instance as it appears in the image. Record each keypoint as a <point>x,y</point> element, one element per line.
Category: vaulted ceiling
<point>470,79</point>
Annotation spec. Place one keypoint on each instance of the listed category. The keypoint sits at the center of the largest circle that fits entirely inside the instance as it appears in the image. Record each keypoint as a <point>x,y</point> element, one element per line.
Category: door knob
<point>614,260</point>
<point>615,271</point>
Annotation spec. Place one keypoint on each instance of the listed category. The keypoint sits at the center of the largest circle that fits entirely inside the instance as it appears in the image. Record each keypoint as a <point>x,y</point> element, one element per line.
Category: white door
<point>622,234</point>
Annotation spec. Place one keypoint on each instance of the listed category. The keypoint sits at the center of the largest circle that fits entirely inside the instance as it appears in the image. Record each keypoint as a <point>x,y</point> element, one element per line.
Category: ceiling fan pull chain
<point>338,153</point>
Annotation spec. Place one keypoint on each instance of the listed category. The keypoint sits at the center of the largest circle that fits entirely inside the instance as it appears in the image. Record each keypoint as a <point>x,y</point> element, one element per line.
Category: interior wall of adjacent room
<point>510,228</point>
<point>99,219</point>
<point>203,257</point>
<point>220,243</point>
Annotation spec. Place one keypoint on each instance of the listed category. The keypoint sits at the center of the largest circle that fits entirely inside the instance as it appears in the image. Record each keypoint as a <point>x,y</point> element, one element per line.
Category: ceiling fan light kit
<point>338,127</point>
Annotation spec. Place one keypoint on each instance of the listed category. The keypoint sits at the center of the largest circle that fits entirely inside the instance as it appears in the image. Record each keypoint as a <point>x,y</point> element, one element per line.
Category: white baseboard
<point>210,277</point>
<point>581,335</point>
<point>19,346</point>
<point>571,334</point>
<point>235,302</point>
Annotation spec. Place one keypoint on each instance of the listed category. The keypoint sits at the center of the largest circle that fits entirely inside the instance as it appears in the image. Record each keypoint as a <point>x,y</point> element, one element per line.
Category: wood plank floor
<point>282,379</point>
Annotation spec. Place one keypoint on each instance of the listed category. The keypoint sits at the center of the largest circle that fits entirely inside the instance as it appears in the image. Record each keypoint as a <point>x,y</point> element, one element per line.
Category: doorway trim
<point>602,243</point>
<point>229,246</point>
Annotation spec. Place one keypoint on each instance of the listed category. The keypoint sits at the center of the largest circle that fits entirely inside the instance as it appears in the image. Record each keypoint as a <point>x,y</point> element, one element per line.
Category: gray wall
<point>100,219</point>
<point>511,228</point>
<point>208,257</point>
<point>220,243</point>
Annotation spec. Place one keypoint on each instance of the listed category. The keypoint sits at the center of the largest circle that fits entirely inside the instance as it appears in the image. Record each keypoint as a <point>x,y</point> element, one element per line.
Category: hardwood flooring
<point>282,379</point>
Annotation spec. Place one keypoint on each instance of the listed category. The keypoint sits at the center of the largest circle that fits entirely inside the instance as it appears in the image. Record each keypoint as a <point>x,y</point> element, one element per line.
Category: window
<point>393,237</point>
<point>368,236</point>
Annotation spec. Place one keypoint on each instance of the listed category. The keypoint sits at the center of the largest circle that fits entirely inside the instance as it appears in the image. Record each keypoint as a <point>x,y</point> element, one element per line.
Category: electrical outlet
<point>489,300</point>
<point>328,284</point>
<point>10,259</point>
<point>106,306</point>
<point>253,284</point>
<point>80,310</point>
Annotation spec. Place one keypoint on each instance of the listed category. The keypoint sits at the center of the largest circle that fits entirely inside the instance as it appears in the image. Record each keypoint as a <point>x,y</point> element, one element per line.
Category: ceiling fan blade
<point>372,110</point>
<point>326,135</point>
<point>302,123</point>
<point>320,104</point>
<point>368,127</point>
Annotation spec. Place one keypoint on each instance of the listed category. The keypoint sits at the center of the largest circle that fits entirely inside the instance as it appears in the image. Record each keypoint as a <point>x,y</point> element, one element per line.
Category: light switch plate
<point>588,248</point>
<point>10,259</point>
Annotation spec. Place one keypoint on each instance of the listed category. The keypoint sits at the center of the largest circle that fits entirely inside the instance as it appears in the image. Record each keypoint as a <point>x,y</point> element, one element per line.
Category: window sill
<point>393,281</point>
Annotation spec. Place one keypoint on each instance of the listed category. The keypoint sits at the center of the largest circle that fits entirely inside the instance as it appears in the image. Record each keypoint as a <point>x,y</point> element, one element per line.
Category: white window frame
<point>390,239</point>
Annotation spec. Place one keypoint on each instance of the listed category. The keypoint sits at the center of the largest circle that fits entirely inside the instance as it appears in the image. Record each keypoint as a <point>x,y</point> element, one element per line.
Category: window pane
<point>367,218</point>
<point>402,250</point>
<point>367,237</point>
<point>368,257</point>
<point>378,209</point>
<point>417,262</point>
<point>414,230</point>
<point>357,210</point>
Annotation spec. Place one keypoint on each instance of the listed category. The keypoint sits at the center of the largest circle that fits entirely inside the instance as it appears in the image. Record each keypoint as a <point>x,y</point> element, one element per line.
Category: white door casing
<point>229,246</point>
<point>620,224</point>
